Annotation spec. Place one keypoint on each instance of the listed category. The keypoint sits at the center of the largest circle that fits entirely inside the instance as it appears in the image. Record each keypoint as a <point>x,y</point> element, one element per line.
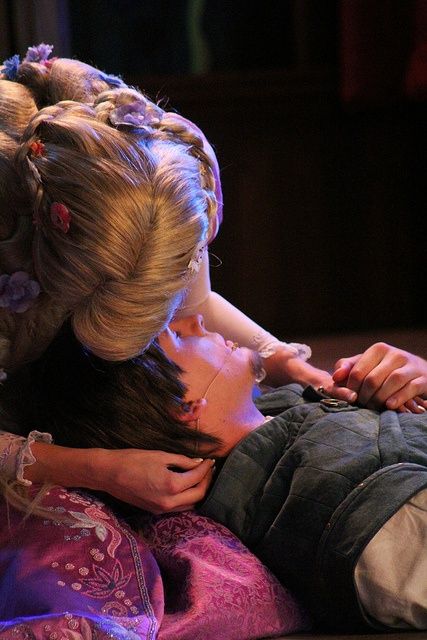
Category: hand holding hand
<point>385,375</point>
<point>282,369</point>
<point>153,480</point>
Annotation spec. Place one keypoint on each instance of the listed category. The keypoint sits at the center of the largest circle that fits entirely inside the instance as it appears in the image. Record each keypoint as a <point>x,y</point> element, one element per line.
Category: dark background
<point>317,111</point>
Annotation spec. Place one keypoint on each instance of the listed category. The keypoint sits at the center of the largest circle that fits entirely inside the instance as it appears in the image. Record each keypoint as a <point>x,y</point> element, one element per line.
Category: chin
<point>257,368</point>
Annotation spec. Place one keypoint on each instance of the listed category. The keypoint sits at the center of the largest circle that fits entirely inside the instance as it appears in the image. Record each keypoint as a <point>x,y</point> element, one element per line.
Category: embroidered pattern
<point>97,572</point>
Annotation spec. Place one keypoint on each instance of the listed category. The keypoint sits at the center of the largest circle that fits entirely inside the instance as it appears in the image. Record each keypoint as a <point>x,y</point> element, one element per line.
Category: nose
<point>190,325</point>
<point>197,325</point>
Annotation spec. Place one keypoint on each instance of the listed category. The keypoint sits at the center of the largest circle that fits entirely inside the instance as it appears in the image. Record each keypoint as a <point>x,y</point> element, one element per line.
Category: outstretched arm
<point>283,362</point>
<point>146,479</point>
<point>385,376</point>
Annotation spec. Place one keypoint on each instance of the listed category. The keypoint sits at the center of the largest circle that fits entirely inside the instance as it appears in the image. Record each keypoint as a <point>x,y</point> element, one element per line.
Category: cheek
<point>240,365</point>
<point>197,379</point>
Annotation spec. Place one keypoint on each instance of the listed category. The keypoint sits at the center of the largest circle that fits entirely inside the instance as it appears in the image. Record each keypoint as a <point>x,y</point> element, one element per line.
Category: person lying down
<point>326,494</point>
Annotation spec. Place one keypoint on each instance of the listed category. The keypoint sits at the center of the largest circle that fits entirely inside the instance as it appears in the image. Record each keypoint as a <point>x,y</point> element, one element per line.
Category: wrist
<point>281,366</point>
<point>98,469</point>
<point>295,369</point>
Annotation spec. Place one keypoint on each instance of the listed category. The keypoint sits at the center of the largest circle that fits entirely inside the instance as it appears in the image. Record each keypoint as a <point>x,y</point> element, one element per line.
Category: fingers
<point>409,391</point>
<point>364,371</point>
<point>342,393</point>
<point>182,462</point>
<point>334,390</point>
<point>185,489</point>
<point>382,382</point>
<point>378,374</point>
<point>415,403</point>
<point>403,409</point>
<point>384,375</point>
<point>343,367</point>
<point>187,499</point>
<point>188,479</point>
<point>421,402</point>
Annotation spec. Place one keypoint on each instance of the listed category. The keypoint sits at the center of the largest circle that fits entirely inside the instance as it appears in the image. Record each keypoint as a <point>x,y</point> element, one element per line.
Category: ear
<point>191,411</point>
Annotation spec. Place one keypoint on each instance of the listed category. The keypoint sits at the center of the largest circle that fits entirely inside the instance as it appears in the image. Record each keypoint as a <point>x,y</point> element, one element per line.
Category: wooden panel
<point>324,225</point>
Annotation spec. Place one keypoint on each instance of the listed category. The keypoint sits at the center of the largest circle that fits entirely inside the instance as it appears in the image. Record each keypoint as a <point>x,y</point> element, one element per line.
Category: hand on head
<point>156,481</point>
<point>152,480</point>
<point>385,376</point>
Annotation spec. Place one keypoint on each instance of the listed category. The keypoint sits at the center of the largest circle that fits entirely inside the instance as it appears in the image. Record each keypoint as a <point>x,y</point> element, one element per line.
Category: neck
<point>232,424</point>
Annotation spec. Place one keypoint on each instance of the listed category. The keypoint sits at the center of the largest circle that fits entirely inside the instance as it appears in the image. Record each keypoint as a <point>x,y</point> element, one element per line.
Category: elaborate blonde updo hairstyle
<point>140,196</point>
<point>26,333</point>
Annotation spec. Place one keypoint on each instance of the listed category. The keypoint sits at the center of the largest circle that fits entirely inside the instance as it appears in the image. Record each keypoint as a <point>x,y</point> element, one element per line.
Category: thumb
<point>342,393</point>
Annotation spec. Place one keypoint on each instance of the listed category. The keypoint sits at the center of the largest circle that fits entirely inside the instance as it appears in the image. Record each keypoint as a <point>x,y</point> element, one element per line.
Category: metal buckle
<point>334,403</point>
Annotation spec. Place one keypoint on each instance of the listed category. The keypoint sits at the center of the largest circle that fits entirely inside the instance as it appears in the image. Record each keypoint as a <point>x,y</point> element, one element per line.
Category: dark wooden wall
<point>325,207</point>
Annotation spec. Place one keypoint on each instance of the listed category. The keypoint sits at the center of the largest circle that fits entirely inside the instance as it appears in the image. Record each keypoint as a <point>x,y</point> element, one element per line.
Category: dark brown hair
<point>84,401</point>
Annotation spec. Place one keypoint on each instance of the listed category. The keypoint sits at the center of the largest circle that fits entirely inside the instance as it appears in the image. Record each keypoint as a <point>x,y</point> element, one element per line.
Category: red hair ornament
<point>60,216</point>
<point>37,148</point>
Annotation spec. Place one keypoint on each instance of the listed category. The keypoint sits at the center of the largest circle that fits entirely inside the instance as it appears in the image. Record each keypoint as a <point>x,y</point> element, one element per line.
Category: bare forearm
<point>282,368</point>
<point>65,466</point>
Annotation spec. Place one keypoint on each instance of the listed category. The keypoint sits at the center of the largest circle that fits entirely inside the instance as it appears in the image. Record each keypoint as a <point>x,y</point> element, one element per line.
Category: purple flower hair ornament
<point>10,67</point>
<point>136,114</point>
<point>40,53</point>
<point>18,291</point>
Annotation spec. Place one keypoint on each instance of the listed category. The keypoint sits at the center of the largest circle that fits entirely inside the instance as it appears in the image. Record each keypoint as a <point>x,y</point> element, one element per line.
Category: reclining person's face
<point>217,370</point>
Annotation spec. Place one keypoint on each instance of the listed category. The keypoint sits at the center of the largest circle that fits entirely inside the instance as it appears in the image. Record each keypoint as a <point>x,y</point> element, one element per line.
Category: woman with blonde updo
<point>107,206</point>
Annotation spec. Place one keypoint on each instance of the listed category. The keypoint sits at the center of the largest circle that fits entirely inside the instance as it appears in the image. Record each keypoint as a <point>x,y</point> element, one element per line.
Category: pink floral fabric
<point>215,588</point>
<point>86,577</point>
<point>90,577</point>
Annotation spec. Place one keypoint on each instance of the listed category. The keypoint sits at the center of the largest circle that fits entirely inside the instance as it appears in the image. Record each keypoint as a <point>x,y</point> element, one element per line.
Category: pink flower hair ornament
<point>60,216</point>
<point>18,291</point>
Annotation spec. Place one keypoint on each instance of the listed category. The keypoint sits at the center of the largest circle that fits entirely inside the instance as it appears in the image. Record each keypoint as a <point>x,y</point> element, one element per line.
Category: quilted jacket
<point>309,489</point>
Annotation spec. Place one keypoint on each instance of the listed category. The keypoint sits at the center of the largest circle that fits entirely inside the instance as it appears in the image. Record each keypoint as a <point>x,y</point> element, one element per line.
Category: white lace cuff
<point>267,345</point>
<point>25,456</point>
